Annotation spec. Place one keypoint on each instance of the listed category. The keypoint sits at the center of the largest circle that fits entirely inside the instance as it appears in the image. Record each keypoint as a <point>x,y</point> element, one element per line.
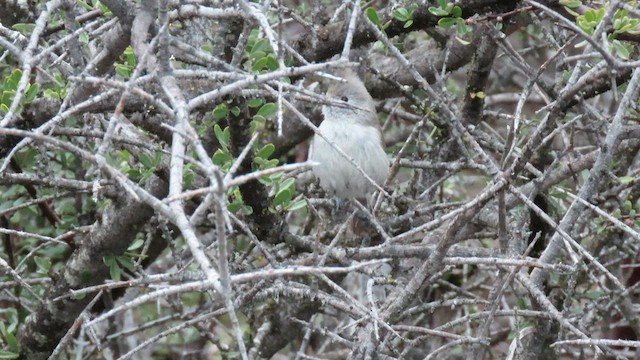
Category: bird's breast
<point>360,142</point>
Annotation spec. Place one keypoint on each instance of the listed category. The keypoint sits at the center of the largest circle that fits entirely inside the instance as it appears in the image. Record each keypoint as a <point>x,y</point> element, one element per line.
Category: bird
<point>350,123</point>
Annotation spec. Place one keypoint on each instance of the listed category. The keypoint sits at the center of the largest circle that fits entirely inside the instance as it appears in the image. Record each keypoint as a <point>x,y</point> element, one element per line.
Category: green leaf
<point>51,94</point>
<point>257,55</point>
<point>626,179</point>
<point>283,196</point>
<point>207,48</point>
<point>401,14</point>
<point>129,57</point>
<point>447,22</point>
<point>24,29</point>
<point>288,184</point>
<point>189,175</point>
<point>8,355</point>
<point>622,50</point>
<point>276,176</point>
<point>221,157</point>
<point>126,262</point>
<point>84,5</point>
<point>43,264</point>
<point>571,12</point>
<point>115,272</point>
<point>123,71</point>
<point>109,260</point>
<point>272,63</point>
<point>83,38</point>
<point>233,207</point>
<point>237,204</point>
<point>456,11</point>
<point>246,210</point>
<point>259,64</point>
<point>136,245</point>
<point>617,213</point>
<point>267,110</point>
<point>7,97</point>
<point>285,193</point>
<point>254,103</point>
<point>590,15</point>
<point>407,24</point>
<point>223,136</point>
<point>261,46</point>
<point>146,160</point>
<point>462,28</point>
<point>11,82</point>
<point>622,25</point>
<point>266,181</point>
<point>12,342</point>
<point>114,269</point>
<point>124,155</point>
<point>372,14</point>
<point>300,204</point>
<point>438,11</point>
<point>220,112</point>
<point>31,93</point>
<point>266,151</point>
<point>570,3</point>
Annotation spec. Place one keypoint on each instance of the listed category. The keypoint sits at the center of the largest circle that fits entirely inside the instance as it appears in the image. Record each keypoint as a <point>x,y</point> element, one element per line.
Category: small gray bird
<point>354,128</point>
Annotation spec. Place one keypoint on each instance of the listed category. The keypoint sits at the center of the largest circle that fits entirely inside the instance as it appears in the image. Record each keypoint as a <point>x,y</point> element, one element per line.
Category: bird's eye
<point>345,99</point>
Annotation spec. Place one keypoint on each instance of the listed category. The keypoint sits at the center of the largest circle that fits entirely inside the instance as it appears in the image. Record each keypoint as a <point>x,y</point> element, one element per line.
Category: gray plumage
<point>355,129</point>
